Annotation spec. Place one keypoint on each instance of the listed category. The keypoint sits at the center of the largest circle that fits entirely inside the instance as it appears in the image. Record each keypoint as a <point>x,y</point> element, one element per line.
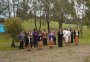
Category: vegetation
<point>5,40</point>
<point>13,27</point>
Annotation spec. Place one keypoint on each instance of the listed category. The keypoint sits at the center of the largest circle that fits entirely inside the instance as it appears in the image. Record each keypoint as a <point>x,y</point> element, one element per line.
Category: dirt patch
<point>79,53</point>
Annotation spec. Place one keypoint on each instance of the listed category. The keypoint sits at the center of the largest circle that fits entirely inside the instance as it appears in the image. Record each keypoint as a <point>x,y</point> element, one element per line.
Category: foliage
<point>13,27</point>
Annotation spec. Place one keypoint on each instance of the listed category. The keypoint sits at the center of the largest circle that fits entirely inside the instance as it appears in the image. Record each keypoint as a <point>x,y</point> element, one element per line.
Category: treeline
<point>74,11</point>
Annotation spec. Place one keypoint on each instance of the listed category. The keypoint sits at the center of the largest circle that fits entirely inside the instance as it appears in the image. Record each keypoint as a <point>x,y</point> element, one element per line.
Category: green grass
<point>5,41</point>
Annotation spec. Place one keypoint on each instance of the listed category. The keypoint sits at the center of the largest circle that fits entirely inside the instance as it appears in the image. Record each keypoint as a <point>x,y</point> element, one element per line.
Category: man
<point>60,38</point>
<point>35,38</point>
<point>22,39</point>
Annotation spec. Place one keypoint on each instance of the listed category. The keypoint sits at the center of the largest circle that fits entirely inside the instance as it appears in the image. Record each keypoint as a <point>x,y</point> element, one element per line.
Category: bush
<point>13,27</point>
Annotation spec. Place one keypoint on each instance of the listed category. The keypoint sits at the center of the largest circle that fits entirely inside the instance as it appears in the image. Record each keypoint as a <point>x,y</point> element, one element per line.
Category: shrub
<point>13,27</point>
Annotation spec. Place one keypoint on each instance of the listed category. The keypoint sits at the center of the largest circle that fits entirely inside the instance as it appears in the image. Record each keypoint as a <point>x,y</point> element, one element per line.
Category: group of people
<point>38,38</point>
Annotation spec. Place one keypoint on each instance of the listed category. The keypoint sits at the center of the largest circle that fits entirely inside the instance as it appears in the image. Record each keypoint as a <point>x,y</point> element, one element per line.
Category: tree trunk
<point>81,28</point>
<point>35,21</point>
<point>13,44</point>
<point>40,21</point>
<point>9,8</point>
<point>13,9</point>
<point>60,20</point>
<point>35,15</point>
<point>47,19</point>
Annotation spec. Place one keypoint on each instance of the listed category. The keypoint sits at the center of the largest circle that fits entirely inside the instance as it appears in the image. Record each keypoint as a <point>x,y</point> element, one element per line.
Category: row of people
<point>39,38</point>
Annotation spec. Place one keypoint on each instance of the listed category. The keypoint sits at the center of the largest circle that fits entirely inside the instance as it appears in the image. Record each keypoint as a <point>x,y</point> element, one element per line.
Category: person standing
<point>64,31</point>
<point>69,36</point>
<point>30,35</point>
<point>54,37</point>
<point>40,42</point>
<point>66,37</point>
<point>60,38</point>
<point>26,40</point>
<point>77,37</point>
<point>44,37</point>
<point>35,38</point>
<point>22,39</point>
<point>72,36</point>
<point>50,40</point>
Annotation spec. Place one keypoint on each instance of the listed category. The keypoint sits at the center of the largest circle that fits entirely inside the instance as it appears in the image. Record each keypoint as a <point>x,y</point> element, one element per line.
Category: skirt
<point>66,39</point>
<point>40,45</point>
<point>69,39</point>
<point>50,44</point>
<point>76,40</point>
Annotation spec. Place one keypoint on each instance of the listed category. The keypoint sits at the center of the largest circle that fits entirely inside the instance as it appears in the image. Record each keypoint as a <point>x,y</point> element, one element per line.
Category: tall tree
<point>47,6</point>
<point>9,12</point>
<point>22,11</point>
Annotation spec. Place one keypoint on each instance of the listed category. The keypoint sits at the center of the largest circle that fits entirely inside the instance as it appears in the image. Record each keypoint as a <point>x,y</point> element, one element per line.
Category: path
<point>64,54</point>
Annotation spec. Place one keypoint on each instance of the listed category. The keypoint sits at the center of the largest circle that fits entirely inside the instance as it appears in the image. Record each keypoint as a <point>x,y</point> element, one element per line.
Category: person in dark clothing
<point>60,38</point>
<point>72,36</point>
<point>35,38</point>
<point>22,39</point>
<point>26,40</point>
<point>44,37</point>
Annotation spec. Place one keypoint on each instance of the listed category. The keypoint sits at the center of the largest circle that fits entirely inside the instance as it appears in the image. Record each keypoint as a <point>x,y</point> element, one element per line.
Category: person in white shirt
<point>69,36</point>
<point>66,37</point>
<point>64,34</point>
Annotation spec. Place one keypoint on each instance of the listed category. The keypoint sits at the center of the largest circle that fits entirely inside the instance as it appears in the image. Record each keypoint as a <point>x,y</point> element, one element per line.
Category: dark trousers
<point>45,41</point>
<point>26,42</point>
<point>35,44</point>
<point>21,45</point>
<point>59,43</point>
<point>54,39</point>
<point>31,42</point>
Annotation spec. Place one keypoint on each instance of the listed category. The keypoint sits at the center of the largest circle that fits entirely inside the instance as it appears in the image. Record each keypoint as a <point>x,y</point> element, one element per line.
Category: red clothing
<point>76,40</point>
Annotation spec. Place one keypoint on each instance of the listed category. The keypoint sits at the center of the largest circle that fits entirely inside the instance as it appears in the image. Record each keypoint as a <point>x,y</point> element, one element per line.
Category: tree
<point>9,12</point>
<point>3,8</point>
<point>61,9</point>
<point>22,10</point>
<point>47,7</point>
<point>13,28</point>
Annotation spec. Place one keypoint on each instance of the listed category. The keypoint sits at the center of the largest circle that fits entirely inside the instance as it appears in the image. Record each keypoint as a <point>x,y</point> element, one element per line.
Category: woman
<point>40,43</point>
<point>30,40</point>
<point>69,37</point>
<point>66,37</point>
<point>54,37</point>
<point>60,38</point>
<point>50,40</point>
<point>76,38</point>
<point>44,38</point>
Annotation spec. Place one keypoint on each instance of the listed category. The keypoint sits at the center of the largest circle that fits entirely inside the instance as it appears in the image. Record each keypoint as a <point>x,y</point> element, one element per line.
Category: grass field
<point>73,53</point>
<point>5,41</point>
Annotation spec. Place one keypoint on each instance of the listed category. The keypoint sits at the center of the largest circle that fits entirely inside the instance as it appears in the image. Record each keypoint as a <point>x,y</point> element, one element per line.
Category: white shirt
<point>69,33</point>
<point>66,33</point>
<point>76,32</point>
